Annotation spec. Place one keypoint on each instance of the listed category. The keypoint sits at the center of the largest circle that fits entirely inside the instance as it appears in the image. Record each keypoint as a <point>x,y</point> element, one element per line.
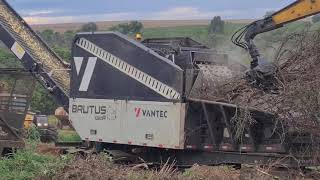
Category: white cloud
<point>40,12</point>
<point>82,18</point>
<point>49,20</point>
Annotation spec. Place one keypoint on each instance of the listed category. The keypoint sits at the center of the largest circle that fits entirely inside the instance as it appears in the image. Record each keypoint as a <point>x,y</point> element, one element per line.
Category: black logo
<point>100,112</point>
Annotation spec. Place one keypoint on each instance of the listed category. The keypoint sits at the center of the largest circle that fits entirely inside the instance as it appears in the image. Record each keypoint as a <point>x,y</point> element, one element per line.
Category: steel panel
<point>165,127</point>
<point>152,124</point>
<point>111,80</point>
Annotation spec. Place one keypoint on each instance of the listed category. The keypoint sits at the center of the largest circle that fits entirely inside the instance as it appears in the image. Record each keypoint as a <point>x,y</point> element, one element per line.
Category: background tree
<point>42,101</point>
<point>68,38</point>
<point>135,27</point>
<point>89,27</point>
<point>47,35</point>
<point>132,27</point>
<point>269,13</point>
<point>216,25</point>
<point>8,60</point>
<point>64,53</point>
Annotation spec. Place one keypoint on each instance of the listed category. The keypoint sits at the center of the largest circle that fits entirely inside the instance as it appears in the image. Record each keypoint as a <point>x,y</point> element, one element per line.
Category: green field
<point>267,42</point>
<point>65,135</point>
<point>29,164</point>
<point>68,136</point>
<point>221,42</point>
<point>198,33</point>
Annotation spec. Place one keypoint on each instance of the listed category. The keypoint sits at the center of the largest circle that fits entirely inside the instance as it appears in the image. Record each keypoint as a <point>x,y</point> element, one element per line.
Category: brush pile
<point>297,102</point>
<point>99,167</point>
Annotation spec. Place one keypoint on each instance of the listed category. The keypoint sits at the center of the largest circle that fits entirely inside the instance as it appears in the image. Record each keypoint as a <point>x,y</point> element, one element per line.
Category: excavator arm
<point>295,11</point>
<point>245,36</point>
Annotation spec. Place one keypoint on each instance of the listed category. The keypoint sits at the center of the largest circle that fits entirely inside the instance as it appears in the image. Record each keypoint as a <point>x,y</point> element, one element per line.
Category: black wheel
<point>98,147</point>
<point>8,152</point>
<point>48,139</point>
<point>1,151</point>
<point>49,135</point>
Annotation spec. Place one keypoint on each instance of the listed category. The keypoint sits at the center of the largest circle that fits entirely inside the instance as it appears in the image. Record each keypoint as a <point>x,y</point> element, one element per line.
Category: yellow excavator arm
<point>261,69</point>
<point>297,10</point>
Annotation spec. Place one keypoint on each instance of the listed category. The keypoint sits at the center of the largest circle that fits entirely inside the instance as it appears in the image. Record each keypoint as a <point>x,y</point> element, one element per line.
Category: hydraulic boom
<point>261,70</point>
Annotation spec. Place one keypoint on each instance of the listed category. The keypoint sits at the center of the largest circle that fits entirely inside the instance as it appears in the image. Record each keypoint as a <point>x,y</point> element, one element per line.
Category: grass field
<point>221,42</point>
<point>199,33</point>
<point>146,23</point>
<point>28,164</point>
<point>65,135</point>
<point>68,136</point>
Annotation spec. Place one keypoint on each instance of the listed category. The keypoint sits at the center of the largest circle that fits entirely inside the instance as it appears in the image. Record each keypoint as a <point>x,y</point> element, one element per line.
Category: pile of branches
<point>297,101</point>
<point>294,103</point>
<point>100,167</point>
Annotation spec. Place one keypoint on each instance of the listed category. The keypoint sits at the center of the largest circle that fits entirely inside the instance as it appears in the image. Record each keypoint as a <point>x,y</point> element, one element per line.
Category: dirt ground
<point>48,149</point>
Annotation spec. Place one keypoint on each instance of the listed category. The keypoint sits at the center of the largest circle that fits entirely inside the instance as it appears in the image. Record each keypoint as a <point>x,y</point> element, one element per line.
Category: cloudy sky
<point>63,11</point>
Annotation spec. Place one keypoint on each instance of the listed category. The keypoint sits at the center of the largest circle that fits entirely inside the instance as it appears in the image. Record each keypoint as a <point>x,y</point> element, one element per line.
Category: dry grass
<point>100,167</point>
<point>96,167</point>
<point>207,172</point>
